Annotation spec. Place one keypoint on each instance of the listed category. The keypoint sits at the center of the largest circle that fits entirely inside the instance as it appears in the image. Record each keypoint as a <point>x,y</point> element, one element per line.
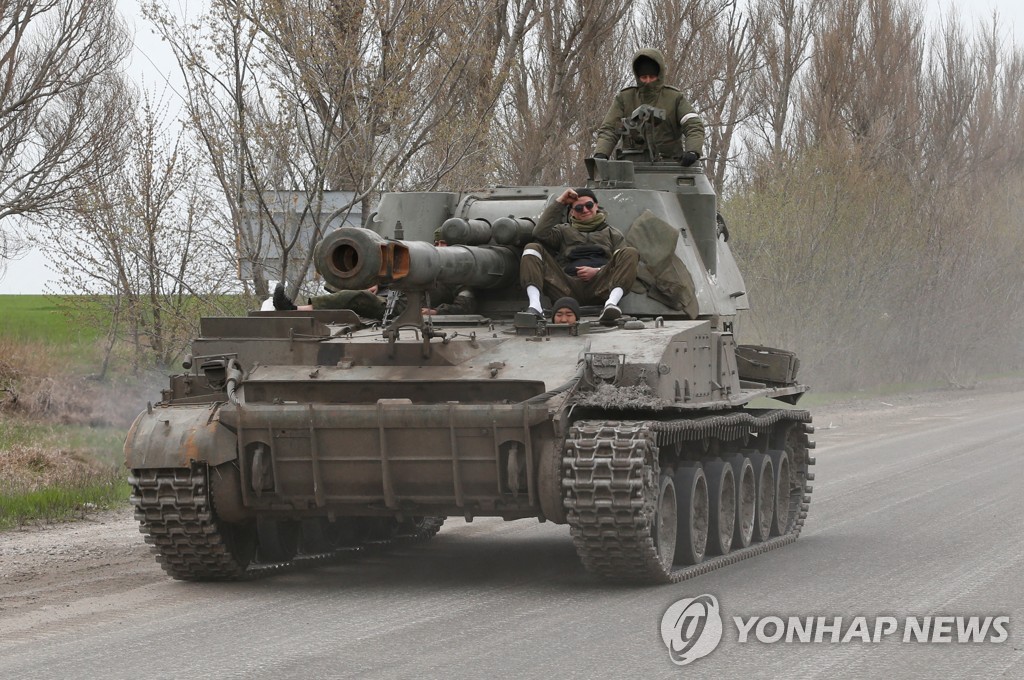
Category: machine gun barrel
<point>352,258</point>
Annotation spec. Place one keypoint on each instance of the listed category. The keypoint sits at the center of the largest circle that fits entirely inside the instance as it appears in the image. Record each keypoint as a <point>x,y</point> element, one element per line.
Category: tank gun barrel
<point>352,258</point>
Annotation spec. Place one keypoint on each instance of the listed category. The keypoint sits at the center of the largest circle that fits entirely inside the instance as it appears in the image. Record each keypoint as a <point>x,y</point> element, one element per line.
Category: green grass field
<point>51,470</point>
<point>42,318</point>
<point>62,502</point>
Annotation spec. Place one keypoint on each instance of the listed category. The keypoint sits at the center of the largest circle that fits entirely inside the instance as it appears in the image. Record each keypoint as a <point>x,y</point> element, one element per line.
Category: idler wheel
<point>780,524</point>
<point>764,482</point>
<point>721,506</point>
<point>746,500</point>
<point>277,540</point>
<point>666,521</point>
<point>692,514</point>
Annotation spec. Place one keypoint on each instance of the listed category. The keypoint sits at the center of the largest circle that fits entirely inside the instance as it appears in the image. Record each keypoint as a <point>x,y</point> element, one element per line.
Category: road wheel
<point>666,521</point>
<point>780,524</point>
<point>721,506</point>
<point>692,514</point>
<point>764,482</point>
<point>746,500</point>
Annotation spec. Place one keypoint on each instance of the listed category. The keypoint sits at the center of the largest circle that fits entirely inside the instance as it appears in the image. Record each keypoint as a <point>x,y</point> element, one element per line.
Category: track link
<point>174,512</point>
<point>176,517</point>
<point>610,482</point>
<point>612,472</point>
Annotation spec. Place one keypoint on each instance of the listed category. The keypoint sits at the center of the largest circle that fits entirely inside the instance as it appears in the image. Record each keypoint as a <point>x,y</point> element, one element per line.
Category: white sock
<point>533,293</point>
<point>614,297</point>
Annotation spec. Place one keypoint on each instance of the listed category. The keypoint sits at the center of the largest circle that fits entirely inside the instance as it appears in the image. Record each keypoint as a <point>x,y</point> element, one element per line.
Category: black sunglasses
<point>583,206</point>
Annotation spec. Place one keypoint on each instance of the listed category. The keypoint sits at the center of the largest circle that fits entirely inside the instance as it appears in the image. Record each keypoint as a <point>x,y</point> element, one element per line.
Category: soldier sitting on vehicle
<point>591,263</point>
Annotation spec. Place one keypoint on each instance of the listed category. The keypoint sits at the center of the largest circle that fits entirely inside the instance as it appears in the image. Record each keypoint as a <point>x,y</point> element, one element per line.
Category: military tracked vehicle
<point>304,433</point>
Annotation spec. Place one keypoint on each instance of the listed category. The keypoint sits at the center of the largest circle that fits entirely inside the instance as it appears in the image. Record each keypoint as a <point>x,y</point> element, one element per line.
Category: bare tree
<point>783,30</point>
<point>12,247</point>
<point>994,135</point>
<point>320,96</point>
<point>219,90</point>
<point>59,103</point>
<point>866,80</point>
<point>564,78</point>
<point>143,245</point>
<point>950,97</point>
<point>466,147</point>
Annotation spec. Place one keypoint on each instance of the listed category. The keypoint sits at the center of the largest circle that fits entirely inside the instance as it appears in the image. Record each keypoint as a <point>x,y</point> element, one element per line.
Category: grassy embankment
<point>61,434</point>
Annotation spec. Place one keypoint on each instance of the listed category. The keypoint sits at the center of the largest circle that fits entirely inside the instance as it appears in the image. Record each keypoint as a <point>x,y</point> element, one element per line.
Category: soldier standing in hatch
<point>680,136</point>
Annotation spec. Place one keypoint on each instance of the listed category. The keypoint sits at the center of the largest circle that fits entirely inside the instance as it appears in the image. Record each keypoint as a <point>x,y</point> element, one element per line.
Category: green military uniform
<point>447,299</point>
<point>452,299</point>
<point>569,241</point>
<point>362,302</point>
<point>682,131</point>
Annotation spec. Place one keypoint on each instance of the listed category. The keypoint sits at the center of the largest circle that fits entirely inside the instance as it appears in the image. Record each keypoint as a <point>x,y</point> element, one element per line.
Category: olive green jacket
<point>561,237</point>
<point>453,299</point>
<point>683,129</point>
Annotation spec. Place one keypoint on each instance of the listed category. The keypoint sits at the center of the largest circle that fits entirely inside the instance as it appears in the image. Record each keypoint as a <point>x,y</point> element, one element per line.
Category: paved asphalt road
<point>917,511</point>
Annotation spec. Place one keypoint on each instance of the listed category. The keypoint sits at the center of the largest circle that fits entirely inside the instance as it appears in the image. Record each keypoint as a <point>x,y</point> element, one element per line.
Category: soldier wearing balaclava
<point>680,136</point>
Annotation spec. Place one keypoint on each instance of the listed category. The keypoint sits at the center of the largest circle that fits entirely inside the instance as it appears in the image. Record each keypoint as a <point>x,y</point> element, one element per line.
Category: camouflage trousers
<point>545,273</point>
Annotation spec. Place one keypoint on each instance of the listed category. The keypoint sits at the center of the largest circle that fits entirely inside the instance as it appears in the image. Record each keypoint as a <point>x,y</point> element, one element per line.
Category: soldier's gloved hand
<point>602,156</point>
<point>689,158</point>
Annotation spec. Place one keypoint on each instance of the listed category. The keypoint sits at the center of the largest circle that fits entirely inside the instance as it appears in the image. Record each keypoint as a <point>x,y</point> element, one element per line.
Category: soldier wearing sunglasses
<point>583,257</point>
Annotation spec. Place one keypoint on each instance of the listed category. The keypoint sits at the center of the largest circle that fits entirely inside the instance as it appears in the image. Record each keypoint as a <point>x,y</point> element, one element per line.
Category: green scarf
<point>590,224</point>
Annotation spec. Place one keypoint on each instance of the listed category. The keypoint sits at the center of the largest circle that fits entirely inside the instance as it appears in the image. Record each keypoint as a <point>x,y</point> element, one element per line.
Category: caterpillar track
<point>623,525</point>
<point>175,513</point>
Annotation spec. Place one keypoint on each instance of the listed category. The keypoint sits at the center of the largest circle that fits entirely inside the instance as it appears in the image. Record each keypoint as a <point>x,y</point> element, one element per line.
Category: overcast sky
<point>152,65</point>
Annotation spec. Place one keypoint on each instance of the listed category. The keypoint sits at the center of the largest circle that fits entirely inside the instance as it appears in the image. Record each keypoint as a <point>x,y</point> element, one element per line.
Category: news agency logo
<point>837,629</point>
<point>691,628</point>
